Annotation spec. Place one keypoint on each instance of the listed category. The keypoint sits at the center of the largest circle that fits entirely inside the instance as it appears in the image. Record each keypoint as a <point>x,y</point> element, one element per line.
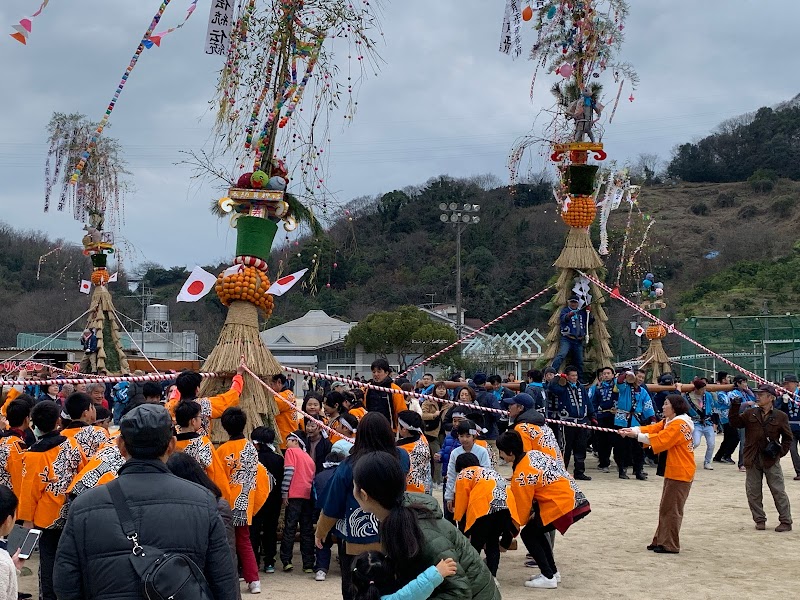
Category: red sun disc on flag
<point>285,280</point>
<point>195,288</point>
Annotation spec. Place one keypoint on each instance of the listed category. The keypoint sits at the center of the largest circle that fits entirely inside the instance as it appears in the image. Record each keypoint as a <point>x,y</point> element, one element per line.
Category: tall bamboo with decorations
<point>652,300</point>
<point>280,53</point>
<point>578,42</point>
<point>97,201</point>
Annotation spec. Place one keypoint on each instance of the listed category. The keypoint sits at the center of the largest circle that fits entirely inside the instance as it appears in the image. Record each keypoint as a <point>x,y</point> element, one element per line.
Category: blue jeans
<point>708,432</point>
<point>566,346</point>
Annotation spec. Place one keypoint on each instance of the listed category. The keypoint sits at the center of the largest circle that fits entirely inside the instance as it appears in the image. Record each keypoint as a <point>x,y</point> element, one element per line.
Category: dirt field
<point>604,555</point>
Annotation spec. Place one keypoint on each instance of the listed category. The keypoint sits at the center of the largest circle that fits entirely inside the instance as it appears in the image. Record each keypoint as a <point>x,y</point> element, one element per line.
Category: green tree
<point>407,332</point>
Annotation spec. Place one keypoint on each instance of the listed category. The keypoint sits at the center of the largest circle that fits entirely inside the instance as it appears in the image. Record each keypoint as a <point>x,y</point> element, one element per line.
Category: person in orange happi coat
<point>188,416</point>
<point>188,384</point>
<point>250,484</point>
<point>484,509</point>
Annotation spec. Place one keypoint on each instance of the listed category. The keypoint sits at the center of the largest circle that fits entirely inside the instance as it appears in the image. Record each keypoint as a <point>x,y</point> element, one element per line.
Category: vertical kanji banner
<point>220,21</point>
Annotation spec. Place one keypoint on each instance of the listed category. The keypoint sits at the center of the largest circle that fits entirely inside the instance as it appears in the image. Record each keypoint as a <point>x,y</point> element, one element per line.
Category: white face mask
<point>37,432</point>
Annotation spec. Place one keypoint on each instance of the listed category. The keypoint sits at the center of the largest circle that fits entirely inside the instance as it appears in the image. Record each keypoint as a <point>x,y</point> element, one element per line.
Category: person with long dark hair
<point>373,574</point>
<point>671,439</point>
<point>357,528</point>
<point>414,534</point>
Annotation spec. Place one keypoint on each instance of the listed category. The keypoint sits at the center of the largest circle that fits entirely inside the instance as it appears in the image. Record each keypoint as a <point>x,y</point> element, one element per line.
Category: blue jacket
<point>582,409</point>
<point>634,406</point>
<point>89,344</point>
<point>492,399</point>
<point>791,406</point>
<point>603,397</point>
<point>450,443</point>
<point>703,417</point>
<point>574,324</point>
<point>721,406</point>
<point>420,588</point>
<point>538,392</point>
<point>354,525</point>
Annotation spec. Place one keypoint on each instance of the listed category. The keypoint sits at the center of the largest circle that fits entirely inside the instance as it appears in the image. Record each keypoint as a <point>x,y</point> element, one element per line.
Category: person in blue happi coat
<point>634,409</point>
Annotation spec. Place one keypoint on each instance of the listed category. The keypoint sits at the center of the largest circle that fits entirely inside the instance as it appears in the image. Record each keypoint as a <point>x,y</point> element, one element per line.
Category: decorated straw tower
<point>578,42</point>
<point>277,58</point>
<point>96,201</point>
<point>652,300</point>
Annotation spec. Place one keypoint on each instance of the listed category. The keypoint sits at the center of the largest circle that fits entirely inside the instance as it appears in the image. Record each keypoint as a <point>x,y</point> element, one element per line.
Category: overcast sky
<point>446,101</point>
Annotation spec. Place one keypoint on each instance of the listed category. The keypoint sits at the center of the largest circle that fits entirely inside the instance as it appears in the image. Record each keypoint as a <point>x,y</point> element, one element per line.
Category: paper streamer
<point>23,28</point>
<point>157,37</point>
<point>104,121</point>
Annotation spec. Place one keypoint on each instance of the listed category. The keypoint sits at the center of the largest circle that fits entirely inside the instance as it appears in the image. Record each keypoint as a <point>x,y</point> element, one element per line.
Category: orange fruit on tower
<point>655,332</point>
<point>249,284</point>
<point>580,212</point>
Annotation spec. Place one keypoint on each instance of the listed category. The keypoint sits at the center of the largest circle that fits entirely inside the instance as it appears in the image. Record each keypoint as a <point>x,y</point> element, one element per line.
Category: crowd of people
<point>357,469</point>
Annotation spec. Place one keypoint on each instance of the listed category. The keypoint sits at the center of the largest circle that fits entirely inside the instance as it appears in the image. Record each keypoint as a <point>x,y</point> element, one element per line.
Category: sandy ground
<point>604,555</point>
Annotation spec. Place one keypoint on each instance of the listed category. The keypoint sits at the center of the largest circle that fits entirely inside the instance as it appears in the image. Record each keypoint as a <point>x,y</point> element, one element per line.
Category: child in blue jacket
<point>372,575</point>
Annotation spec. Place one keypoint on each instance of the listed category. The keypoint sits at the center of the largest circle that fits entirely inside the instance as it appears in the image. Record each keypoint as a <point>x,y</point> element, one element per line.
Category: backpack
<point>121,392</point>
<point>164,575</point>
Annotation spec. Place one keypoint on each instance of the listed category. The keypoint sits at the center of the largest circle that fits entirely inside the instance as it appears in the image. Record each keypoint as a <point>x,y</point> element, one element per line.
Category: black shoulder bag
<point>164,575</point>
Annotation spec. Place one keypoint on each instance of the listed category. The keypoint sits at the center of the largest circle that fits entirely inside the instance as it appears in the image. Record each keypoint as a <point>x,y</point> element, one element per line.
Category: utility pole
<point>459,215</point>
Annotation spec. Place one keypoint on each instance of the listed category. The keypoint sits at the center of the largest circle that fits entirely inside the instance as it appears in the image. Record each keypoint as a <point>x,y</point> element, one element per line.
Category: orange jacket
<point>214,406</point>
<point>288,419</point>
<point>48,468</point>
<point>100,469</point>
<point>676,438</point>
<point>12,448</point>
<point>538,438</point>
<point>200,448</point>
<point>359,412</point>
<point>419,476</point>
<point>540,477</point>
<point>89,437</point>
<point>250,482</point>
<point>480,492</point>
<point>10,397</point>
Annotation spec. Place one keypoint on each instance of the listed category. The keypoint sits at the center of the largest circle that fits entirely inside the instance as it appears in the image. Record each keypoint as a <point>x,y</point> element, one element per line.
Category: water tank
<point>157,312</point>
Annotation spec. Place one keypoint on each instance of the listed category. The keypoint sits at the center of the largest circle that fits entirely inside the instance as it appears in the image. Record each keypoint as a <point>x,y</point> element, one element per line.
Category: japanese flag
<point>86,286</point>
<point>639,331</point>
<point>200,282</point>
<point>113,278</point>
<point>284,284</point>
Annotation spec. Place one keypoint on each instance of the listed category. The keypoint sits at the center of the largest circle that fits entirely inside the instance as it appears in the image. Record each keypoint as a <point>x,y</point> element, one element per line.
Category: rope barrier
<point>477,331</point>
<point>294,406</point>
<point>108,379</point>
<point>38,365</point>
<point>474,407</point>
<point>672,329</point>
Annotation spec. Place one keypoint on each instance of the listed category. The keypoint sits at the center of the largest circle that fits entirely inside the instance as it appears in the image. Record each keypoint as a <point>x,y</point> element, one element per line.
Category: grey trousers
<point>795,454</point>
<point>755,493</point>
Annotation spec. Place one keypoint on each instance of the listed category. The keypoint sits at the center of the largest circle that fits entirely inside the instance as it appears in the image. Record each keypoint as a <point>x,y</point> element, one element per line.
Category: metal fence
<point>768,345</point>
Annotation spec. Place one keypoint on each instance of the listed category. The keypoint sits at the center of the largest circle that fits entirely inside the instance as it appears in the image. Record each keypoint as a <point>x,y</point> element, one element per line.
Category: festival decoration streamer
<point>23,29</point>
<point>104,121</point>
<point>157,37</point>
<point>113,379</point>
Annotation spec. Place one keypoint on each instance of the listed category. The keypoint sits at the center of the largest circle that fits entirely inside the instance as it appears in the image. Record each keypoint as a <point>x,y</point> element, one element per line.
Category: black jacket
<point>169,513</point>
<point>321,450</point>
<point>274,464</point>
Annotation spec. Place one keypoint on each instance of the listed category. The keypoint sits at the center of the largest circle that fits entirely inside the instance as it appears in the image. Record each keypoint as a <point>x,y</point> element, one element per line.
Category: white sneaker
<point>708,467</point>
<point>543,583</point>
<point>556,576</point>
<point>254,587</point>
<point>320,576</point>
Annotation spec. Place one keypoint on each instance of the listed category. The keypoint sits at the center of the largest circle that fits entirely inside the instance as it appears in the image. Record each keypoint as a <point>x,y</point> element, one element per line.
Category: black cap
<point>791,378</point>
<point>549,370</point>
<point>146,428</point>
<point>766,388</point>
<point>573,299</point>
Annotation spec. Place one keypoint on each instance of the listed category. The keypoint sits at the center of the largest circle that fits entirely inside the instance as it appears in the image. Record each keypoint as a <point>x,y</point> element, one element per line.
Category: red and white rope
<point>473,407</point>
<point>294,406</point>
<point>108,379</point>
<point>672,329</point>
<point>477,331</point>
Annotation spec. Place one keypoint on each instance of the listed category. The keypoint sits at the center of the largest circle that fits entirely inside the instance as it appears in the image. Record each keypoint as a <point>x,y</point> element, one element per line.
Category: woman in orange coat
<point>546,497</point>
<point>671,439</point>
